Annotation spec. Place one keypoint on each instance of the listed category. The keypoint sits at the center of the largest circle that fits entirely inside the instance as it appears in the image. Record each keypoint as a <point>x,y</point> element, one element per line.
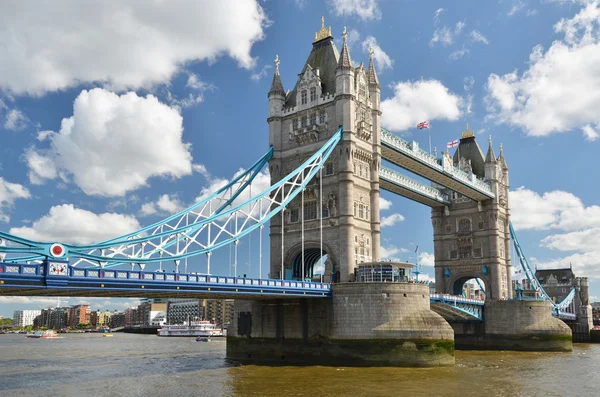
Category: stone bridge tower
<point>472,239</point>
<point>329,92</point>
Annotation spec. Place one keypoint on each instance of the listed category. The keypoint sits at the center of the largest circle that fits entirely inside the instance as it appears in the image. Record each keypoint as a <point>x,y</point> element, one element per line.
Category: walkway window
<point>303,95</point>
<point>464,225</point>
<point>313,94</point>
<point>294,215</point>
<point>310,210</point>
<point>313,119</point>
<point>322,117</point>
<point>329,168</point>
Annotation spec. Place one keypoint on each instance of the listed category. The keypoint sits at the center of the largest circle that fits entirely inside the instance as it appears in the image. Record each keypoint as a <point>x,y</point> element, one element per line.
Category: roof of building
<point>560,274</point>
<point>323,56</point>
<point>470,150</point>
<point>276,84</point>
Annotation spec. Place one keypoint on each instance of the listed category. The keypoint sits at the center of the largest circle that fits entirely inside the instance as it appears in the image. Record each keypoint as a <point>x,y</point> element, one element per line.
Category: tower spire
<point>345,60</point>
<point>323,33</point>
<point>371,74</point>
<point>276,84</point>
<point>490,157</point>
<point>501,158</point>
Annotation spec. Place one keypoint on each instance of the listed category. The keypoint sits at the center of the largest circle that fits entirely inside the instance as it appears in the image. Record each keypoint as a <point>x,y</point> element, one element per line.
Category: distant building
<point>154,314</point>
<point>79,314</point>
<point>184,310</point>
<point>219,311</point>
<point>24,318</point>
<point>100,318</point>
<point>117,320</point>
<point>53,318</point>
<point>129,315</point>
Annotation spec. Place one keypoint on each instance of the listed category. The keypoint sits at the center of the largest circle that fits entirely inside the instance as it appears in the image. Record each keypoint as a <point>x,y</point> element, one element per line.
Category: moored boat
<point>48,334</point>
<point>194,328</point>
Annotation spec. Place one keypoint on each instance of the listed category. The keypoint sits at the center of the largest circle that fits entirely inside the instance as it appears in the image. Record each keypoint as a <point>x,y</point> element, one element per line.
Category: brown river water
<point>147,365</point>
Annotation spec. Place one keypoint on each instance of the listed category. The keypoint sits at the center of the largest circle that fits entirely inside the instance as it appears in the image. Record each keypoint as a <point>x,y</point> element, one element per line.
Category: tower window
<point>295,124</point>
<point>368,241</point>
<point>453,254</point>
<point>310,210</point>
<point>303,121</point>
<point>464,225</point>
<point>313,119</point>
<point>329,168</point>
<point>361,211</point>
<point>303,96</point>
<point>294,215</point>
<point>362,91</point>
<point>464,252</point>
<point>313,94</point>
<point>477,253</point>
<point>325,211</point>
<point>322,117</point>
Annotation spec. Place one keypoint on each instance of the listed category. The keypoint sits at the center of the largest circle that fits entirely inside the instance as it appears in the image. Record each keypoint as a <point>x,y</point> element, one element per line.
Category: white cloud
<point>388,253</point>
<point>196,97</point>
<point>441,35</point>
<point>363,9</point>
<point>516,7</point>
<point>469,82</point>
<point>419,101</point>
<point>384,204</point>
<point>457,54</point>
<point>9,192</point>
<point>459,27</point>
<point>43,135</point>
<point>557,93</point>
<point>262,73</point>
<point>15,120</point>
<point>583,240</point>
<point>382,60</point>
<point>552,210</point>
<point>477,37</point>
<point>353,37</point>
<point>436,15</point>
<point>426,259</point>
<point>166,204</point>
<point>391,220</point>
<point>113,144</point>
<point>71,225</point>
<point>51,46</point>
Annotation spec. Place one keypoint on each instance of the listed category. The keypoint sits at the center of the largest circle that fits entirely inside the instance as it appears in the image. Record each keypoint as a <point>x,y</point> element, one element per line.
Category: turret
<point>344,74</point>
<point>490,162</point>
<point>374,87</point>
<point>276,93</point>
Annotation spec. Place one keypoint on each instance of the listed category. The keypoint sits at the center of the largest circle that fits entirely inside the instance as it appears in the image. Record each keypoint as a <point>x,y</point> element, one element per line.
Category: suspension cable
<point>321,221</point>
<point>282,237</point>
<point>260,245</point>
<point>303,276</point>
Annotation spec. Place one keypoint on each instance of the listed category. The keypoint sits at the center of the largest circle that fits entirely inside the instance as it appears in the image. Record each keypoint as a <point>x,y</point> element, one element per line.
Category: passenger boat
<point>194,328</point>
<point>49,334</point>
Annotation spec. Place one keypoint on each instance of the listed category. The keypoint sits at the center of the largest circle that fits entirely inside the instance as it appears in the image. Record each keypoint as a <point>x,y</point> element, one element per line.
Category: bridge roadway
<point>409,156</point>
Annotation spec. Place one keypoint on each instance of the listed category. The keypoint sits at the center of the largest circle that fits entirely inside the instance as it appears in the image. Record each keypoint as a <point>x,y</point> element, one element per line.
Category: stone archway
<point>455,284</point>
<point>312,256</point>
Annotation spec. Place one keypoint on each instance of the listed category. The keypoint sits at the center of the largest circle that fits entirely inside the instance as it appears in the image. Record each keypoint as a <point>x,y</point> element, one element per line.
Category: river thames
<point>146,365</point>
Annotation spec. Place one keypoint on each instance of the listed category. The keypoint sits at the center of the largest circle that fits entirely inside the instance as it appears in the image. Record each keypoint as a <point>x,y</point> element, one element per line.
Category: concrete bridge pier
<point>365,324</point>
<point>515,325</point>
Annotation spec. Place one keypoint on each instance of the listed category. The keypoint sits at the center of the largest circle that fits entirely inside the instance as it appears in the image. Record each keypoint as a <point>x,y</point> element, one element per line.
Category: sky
<point>115,115</point>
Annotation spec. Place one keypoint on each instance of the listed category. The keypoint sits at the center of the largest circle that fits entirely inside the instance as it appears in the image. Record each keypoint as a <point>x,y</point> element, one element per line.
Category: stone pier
<point>365,324</point>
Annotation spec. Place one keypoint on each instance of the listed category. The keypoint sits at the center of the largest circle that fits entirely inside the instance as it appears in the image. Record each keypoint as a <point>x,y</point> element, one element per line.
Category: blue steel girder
<point>409,156</point>
<point>60,279</point>
<point>457,308</point>
<point>397,183</point>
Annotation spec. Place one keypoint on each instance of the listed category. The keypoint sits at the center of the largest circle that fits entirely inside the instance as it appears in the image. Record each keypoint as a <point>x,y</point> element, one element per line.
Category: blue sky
<point>113,116</point>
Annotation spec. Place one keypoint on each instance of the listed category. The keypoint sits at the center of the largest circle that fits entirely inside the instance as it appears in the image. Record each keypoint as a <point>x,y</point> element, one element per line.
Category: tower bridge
<point>325,162</point>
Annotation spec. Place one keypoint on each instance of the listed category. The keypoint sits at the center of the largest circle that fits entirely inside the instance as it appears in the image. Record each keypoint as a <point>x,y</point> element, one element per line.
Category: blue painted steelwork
<point>183,239</point>
<point>412,151</point>
<point>469,307</point>
<point>58,277</point>
<point>428,195</point>
<point>558,309</point>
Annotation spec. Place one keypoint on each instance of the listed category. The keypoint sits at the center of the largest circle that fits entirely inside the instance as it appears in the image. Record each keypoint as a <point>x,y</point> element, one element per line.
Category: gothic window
<point>295,124</point>
<point>464,225</point>
<point>310,210</point>
<point>368,242</point>
<point>448,228</point>
<point>356,250</point>
<point>322,117</point>
<point>325,212</point>
<point>464,252</point>
<point>360,170</point>
<point>313,94</point>
<point>362,250</point>
<point>361,211</point>
<point>368,253</point>
<point>294,215</point>
<point>356,239</point>
<point>362,91</point>
<point>477,253</point>
<point>355,205</point>
<point>501,225</point>
<point>453,254</point>
<point>368,217</point>
<point>480,225</point>
<point>303,95</point>
<point>354,168</point>
<point>313,118</point>
<point>329,168</point>
<point>363,115</point>
<point>303,121</point>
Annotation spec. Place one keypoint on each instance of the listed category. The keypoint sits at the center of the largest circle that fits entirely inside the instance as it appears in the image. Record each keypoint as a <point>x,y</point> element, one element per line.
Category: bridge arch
<point>456,283</point>
<point>312,255</point>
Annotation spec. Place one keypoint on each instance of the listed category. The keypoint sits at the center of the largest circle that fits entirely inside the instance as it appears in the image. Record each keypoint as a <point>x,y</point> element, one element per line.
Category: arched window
<point>303,96</point>
<point>464,225</point>
<point>313,94</point>
<point>361,211</point>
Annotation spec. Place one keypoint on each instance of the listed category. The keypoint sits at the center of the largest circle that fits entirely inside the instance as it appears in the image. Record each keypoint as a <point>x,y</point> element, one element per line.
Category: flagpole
<point>429,132</point>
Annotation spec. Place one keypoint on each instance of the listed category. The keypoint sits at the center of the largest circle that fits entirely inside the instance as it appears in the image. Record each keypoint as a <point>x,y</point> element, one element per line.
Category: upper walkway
<point>409,156</point>
<point>397,183</point>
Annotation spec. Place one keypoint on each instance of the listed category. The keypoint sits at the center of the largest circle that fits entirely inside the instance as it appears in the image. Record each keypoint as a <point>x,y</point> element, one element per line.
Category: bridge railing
<point>412,149</point>
<point>455,298</point>
<point>411,184</point>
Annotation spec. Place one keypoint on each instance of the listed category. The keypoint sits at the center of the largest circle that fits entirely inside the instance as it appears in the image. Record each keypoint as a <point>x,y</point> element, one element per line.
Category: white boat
<point>195,328</point>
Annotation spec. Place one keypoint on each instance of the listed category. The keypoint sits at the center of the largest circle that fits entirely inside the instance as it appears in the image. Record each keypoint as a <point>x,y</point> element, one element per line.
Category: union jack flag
<point>452,144</point>
<point>424,124</point>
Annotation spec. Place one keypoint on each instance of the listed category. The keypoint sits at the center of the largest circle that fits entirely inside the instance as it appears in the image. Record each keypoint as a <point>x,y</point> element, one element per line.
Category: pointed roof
<point>345,60</point>
<point>371,74</point>
<point>276,84</point>
<point>501,158</point>
<point>470,150</point>
<point>490,157</point>
<point>323,56</point>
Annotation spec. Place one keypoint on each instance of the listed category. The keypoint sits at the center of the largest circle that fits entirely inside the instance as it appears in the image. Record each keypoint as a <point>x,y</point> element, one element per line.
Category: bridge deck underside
<point>402,160</point>
<point>451,313</point>
<point>410,194</point>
